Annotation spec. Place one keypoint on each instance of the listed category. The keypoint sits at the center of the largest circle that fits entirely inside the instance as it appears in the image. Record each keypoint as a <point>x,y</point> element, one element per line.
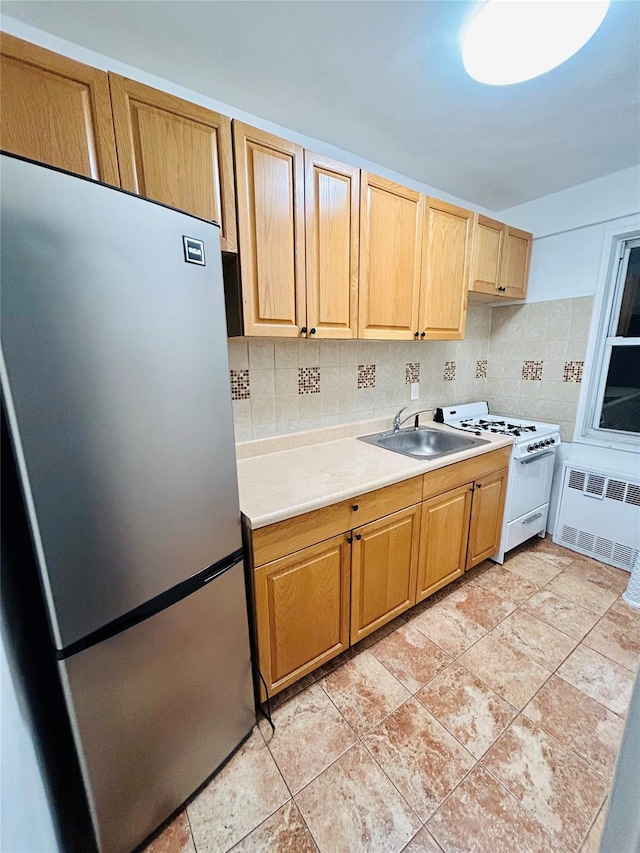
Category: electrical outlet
<point>415,390</point>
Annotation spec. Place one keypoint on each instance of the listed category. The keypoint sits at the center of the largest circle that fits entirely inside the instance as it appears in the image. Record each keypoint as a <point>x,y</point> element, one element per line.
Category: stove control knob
<point>530,448</point>
<point>552,441</point>
<point>549,441</point>
<point>536,445</point>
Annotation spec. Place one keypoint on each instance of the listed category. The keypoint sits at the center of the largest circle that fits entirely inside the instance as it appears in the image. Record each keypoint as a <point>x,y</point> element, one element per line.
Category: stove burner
<point>498,427</point>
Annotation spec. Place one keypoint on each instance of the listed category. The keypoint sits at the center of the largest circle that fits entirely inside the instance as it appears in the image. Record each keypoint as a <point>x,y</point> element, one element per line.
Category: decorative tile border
<point>366,376</point>
<point>449,371</point>
<point>532,370</point>
<point>240,389</point>
<point>412,372</point>
<point>572,371</point>
<point>481,369</point>
<point>308,380</point>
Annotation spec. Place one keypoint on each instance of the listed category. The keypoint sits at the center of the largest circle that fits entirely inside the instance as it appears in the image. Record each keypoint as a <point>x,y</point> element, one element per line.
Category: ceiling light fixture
<point>509,41</point>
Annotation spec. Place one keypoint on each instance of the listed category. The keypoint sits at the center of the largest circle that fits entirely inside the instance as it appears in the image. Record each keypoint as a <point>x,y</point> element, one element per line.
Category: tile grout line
<point>454,659</point>
<point>193,840</point>
<point>360,738</point>
<point>549,832</point>
<point>552,672</point>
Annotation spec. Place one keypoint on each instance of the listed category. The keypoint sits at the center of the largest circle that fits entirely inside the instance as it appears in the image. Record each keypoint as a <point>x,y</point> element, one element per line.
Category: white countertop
<point>282,484</point>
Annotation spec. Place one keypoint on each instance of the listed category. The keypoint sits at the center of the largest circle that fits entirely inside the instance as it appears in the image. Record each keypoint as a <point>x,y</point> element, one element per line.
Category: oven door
<point>529,483</point>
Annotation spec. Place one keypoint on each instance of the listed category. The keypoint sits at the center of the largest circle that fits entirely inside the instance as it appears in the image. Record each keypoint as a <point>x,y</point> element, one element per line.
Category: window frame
<point>617,245</point>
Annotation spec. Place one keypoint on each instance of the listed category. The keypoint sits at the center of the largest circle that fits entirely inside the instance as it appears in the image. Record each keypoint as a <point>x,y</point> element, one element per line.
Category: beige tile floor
<point>487,719</point>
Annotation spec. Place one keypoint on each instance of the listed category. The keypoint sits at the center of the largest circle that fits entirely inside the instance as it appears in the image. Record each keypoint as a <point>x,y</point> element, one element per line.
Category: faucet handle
<point>396,419</point>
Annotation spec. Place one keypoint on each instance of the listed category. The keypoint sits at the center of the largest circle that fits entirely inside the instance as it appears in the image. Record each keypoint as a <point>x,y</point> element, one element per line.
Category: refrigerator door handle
<point>220,570</point>
<point>155,605</point>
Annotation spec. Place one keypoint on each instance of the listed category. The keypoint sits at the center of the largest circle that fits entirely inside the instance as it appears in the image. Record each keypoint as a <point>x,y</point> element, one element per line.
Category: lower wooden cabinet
<point>384,562</point>
<point>487,510</point>
<point>314,603</point>
<point>302,608</point>
<point>444,535</point>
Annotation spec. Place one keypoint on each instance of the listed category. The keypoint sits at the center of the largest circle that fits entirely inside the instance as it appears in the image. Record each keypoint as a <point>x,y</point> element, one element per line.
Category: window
<point>614,406</point>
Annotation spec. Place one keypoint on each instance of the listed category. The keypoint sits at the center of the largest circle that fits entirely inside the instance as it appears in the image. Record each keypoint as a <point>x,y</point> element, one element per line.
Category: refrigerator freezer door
<point>118,396</point>
<point>158,707</point>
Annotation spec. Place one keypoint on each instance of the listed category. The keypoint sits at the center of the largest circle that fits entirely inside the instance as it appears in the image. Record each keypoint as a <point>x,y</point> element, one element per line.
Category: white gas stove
<point>530,470</point>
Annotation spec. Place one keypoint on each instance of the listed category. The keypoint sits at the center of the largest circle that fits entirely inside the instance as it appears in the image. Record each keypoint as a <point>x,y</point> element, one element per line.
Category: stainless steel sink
<point>423,443</point>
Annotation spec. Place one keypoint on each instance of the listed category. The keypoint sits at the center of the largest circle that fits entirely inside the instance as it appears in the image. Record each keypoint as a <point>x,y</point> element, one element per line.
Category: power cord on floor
<point>266,714</point>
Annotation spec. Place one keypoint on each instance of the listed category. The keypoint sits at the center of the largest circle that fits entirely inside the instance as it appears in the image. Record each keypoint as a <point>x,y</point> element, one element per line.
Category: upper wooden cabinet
<point>332,199</point>
<point>270,199</point>
<point>391,268</point>
<point>488,246</point>
<point>175,152</point>
<point>443,302</point>
<point>56,111</point>
<point>501,256</point>
<point>514,274</point>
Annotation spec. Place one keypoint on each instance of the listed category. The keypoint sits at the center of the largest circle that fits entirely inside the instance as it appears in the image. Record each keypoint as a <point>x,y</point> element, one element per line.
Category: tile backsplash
<point>524,359</point>
<point>281,386</point>
<point>536,358</point>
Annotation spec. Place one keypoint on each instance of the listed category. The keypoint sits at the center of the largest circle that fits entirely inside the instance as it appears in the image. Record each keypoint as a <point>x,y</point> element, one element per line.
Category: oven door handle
<point>527,459</point>
<point>534,517</point>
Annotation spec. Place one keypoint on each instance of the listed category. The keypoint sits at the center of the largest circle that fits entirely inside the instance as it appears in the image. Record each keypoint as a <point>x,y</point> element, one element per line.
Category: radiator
<point>599,515</point>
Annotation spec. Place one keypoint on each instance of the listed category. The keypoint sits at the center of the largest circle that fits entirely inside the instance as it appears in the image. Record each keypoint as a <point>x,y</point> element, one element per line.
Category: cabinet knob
<point>502,289</point>
<point>312,331</point>
<point>303,330</point>
<point>416,334</point>
<point>358,537</point>
<point>478,485</point>
<point>355,507</point>
<point>349,539</point>
<point>423,334</point>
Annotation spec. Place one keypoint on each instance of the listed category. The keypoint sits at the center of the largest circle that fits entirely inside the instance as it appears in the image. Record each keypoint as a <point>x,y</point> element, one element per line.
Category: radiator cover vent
<point>633,494</point>
<point>599,516</point>
<point>616,490</point>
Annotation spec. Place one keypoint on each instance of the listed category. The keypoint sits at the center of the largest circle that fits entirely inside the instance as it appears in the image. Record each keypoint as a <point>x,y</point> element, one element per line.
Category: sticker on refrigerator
<point>193,251</point>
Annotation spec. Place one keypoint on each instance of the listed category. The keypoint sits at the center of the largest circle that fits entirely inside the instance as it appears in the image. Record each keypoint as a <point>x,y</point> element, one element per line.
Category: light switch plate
<point>415,390</point>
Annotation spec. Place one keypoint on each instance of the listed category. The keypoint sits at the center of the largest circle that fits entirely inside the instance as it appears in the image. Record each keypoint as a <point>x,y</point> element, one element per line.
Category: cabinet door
<point>175,152</point>
<point>302,611</point>
<point>332,200</point>
<point>391,246</point>
<point>488,244</point>
<point>270,199</point>
<point>384,562</point>
<point>487,510</point>
<point>443,303</point>
<point>514,274</point>
<point>56,111</point>
<point>444,532</point>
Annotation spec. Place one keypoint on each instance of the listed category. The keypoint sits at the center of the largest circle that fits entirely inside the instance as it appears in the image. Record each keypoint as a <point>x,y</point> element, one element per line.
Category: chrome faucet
<point>397,421</point>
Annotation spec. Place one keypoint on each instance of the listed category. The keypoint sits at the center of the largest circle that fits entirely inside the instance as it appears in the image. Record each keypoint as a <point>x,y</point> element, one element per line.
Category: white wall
<point>610,197</point>
<point>572,239</point>
<point>565,265</point>
<point>569,228</point>
<point>26,822</point>
<point>81,54</point>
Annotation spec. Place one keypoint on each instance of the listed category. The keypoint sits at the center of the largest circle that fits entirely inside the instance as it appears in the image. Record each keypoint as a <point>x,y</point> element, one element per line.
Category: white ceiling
<point>384,80</point>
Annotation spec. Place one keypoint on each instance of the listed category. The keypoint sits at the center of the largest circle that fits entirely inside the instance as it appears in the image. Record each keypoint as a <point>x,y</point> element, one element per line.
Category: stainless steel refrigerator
<point>116,385</point>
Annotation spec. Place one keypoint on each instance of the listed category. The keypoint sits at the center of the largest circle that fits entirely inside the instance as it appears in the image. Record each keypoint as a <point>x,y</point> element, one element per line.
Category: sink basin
<point>423,443</point>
